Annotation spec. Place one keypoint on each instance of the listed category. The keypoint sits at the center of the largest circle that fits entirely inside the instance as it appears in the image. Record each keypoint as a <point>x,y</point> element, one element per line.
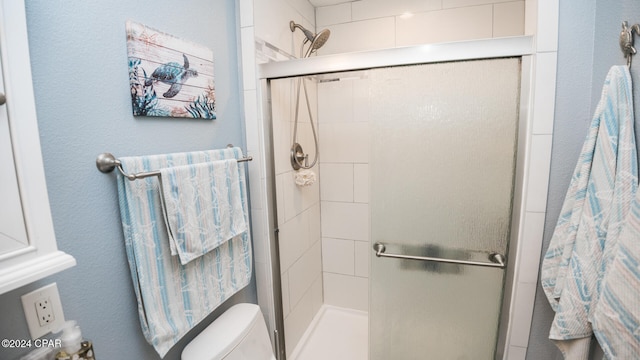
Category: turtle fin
<point>173,90</point>
<point>186,61</point>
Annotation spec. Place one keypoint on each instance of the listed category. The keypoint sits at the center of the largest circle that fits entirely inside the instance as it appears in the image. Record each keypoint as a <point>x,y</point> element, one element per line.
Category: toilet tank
<point>238,334</point>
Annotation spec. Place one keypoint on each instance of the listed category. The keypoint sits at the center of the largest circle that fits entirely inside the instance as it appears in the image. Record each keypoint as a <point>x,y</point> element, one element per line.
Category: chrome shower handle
<point>3,99</point>
<point>497,260</point>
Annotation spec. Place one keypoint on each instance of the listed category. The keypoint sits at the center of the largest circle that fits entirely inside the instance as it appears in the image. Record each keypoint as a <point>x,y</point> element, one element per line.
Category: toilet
<point>238,334</point>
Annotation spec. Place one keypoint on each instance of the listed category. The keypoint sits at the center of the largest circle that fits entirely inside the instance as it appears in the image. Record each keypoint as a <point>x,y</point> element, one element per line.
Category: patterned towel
<point>596,204</point>
<point>616,317</point>
<point>202,206</point>
<point>172,298</point>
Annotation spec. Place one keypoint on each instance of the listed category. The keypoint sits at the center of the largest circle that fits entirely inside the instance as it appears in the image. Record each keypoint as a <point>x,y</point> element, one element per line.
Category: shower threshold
<point>335,333</point>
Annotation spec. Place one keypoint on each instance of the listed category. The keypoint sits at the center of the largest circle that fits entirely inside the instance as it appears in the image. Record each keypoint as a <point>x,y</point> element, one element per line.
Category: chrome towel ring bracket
<point>626,40</point>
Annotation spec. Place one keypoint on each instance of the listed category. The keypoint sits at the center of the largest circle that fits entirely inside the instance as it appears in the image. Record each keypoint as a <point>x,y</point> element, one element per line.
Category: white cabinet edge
<point>42,258</point>
<point>35,269</point>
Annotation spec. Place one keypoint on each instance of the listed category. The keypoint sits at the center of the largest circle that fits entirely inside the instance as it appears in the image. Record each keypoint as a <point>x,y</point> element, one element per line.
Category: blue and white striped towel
<point>202,206</point>
<point>172,298</point>
<point>596,204</point>
<point>616,317</point>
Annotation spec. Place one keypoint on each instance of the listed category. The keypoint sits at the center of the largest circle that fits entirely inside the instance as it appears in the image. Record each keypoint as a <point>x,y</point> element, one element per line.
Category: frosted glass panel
<point>442,172</point>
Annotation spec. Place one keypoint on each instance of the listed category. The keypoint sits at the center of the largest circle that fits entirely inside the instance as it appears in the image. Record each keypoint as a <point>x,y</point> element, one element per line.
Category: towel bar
<point>497,260</point>
<point>106,163</point>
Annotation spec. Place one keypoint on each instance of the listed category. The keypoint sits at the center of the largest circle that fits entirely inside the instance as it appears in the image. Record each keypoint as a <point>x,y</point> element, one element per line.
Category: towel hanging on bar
<point>202,206</point>
<point>173,298</point>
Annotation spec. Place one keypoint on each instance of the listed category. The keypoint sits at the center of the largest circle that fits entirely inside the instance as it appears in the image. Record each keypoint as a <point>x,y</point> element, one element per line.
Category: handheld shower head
<point>317,40</point>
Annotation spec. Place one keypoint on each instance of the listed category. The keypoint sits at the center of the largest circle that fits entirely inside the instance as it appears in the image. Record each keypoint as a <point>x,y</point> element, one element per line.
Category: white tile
<point>345,220</point>
<point>362,251</point>
<point>286,304</point>
<point>313,215</point>
<point>265,291</point>
<point>508,19</point>
<point>465,23</point>
<point>246,13</point>
<point>361,98</point>
<point>252,126</point>
<point>522,312</point>
<point>256,181</point>
<point>248,58</point>
<point>370,35</point>
<point>338,256</point>
<point>293,239</point>
<point>304,272</point>
<point>334,14</point>
<point>545,93</point>
<point>517,353</point>
<point>316,295</point>
<point>336,183</point>
<point>297,322</point>
<point>298,198</point>
<point>346,291</point>
<point>282,146</point>
<point>259,235</point>
<point>371,9</point>
<point>280,199</point>
<point>304,8</point>
<point>335,100</point>
<point>361,183</point>
<point>344,142</point>
<point>547,27</point>
<point>538,173</point>
<point>531,246</point>
<point>462,3</point>
<point>272,24</point>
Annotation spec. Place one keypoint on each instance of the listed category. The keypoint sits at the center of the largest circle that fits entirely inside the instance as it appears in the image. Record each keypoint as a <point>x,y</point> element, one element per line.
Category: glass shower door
<point>442,171</point>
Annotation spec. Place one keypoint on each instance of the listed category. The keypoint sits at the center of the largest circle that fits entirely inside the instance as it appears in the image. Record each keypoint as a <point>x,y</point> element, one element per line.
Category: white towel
<point>596,204</point>
<point>202,206</point>
<point>173,298</point>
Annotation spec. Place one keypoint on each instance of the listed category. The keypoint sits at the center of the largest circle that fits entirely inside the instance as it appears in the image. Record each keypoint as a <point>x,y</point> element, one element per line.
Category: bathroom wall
<point>266,36</point>
<point>79,66</point>
<point>379,24</point>
<point>368,25</point>
<point>588,47</point>
<point>344,190</point>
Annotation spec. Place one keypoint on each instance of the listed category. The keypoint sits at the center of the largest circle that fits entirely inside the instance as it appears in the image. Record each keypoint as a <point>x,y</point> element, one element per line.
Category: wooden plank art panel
<point>169,76</point>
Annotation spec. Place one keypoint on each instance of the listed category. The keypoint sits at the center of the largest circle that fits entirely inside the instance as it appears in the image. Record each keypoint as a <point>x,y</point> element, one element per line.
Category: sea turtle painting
<point>173,74</point>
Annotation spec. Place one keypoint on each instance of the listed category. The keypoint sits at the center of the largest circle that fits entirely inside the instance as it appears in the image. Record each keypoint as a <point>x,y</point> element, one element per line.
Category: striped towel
<point>172,298</point>
<point>202,206</point>
<point>616,317</point>
<point>592,216</point>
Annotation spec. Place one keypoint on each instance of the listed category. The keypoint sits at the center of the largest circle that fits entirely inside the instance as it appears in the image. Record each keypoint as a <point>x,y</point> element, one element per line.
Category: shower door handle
<point>496,260</point>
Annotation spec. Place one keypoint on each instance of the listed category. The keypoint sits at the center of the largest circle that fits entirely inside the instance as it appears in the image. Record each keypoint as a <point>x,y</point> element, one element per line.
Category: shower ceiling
<point>317,3</point>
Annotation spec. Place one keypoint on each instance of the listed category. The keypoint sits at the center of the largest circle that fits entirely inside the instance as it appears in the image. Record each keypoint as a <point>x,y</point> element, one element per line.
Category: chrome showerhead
<point>317,40</point>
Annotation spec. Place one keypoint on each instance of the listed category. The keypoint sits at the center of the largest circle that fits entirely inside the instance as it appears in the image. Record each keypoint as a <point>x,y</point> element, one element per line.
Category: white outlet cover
<point>50,293</point>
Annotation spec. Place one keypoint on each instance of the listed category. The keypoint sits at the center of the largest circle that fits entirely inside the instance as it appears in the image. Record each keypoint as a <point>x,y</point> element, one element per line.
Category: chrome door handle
<point>496,260</point>
<point>3,99</point>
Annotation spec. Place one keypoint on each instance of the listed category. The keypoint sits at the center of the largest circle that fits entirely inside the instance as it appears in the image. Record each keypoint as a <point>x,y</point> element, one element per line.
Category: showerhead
<point>317,40</point>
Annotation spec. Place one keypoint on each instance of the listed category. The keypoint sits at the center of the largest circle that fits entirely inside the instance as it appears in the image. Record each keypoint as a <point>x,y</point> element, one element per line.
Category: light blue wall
<point>588,47</point>
<point>79,65</point>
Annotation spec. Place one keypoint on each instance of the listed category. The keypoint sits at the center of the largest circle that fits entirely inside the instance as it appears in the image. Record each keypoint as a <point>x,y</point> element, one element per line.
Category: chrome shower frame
<point>522,46</point>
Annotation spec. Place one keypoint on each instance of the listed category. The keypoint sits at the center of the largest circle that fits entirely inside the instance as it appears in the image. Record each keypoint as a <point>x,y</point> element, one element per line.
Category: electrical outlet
<point>43,310</point>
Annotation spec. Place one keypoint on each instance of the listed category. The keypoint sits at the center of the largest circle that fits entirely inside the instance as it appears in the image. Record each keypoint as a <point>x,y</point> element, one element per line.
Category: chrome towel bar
<point>106,163</point>
<point>497,260</point>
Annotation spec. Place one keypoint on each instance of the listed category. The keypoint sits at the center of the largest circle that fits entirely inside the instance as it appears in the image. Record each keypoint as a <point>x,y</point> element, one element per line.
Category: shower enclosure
<point>438,133</point>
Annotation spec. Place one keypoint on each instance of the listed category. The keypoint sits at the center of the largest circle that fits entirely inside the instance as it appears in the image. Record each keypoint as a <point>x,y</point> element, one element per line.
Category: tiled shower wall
<point>344,128</point>
<point>380,24</point>
<point>344,190</point>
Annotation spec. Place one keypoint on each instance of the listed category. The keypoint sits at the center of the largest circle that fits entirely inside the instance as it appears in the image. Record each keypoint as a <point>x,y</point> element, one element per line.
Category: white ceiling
<point>317,3</point>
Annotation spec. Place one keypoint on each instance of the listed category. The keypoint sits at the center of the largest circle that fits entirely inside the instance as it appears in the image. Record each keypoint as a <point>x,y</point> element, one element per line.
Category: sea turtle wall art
<point>169,76</point>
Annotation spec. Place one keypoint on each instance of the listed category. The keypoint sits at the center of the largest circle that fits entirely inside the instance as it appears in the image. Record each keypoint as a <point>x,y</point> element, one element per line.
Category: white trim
<point>42,257</point>
<point>410,55</point>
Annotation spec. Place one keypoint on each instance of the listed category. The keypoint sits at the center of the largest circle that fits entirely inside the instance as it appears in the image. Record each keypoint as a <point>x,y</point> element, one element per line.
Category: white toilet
<point>238,334</point>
